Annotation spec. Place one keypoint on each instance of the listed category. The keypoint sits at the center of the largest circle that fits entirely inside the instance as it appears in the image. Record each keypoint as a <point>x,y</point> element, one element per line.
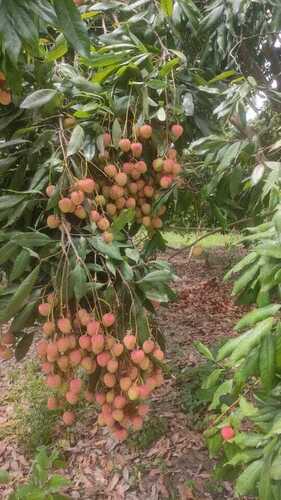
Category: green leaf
<point>23,346</point>
<point>20,265</point>
<point>156,277</point>
<point>72,26</point>
<point>38,98</point>
<point>247,481</point>
<point>10,201</point>
<point>8,252</point>
<point>251,338</point>
<point>249,259</point>
<point>24,318</point>
<point>203,349</point>
<point>167,7</point>
<point>59,50</point>
<point>257,315</point>
<point>76,140</point>
<point>111,250</point>
<point>246,278</point>
<point>122,220</point>
<point>79,277</point>
<point>224,388</point>
<point>267,362</point>
<point>57,482</point>
<point>116,132</point>
<point>21,295</point>
<point>275,470</point>
<point>32,239</point>
<point>272,250</point>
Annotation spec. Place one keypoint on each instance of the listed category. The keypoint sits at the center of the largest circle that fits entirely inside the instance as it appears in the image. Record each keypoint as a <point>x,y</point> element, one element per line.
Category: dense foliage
<point>74,83</point>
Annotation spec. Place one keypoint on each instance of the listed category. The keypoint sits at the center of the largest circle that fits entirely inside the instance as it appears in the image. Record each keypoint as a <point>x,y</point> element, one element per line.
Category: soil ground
<point>176,466</point>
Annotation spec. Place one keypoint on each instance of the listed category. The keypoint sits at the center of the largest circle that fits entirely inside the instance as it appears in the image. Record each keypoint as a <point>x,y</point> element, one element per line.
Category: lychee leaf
<point>20,297</point>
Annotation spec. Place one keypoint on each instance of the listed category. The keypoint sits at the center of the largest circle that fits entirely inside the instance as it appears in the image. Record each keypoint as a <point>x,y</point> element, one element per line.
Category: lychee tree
<point>87,172</point>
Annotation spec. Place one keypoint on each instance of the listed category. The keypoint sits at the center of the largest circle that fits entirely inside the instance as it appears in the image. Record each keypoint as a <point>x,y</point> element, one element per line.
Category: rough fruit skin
<point>80,212</point>
<point>145,131</point>
<point>129,342</point>
<point>44,309</point>
<point>121,179</point>
<point>110,170</point>
<point>108,320</point>
<point>87,185</point>
<point>148,346</point>
<point>66,205</point>
<point>103,224</point>
<point>176,130</point>
<point>63,344</point>
<point>106,139</point>
<point>75,357</point>
<point>53,221</point>
<point>64,325</point>
<point>166,181</point>
<point>48,328</point>
<point>93,328</point>
<point>107,237</point>
<point>77,197</point>
<point>85,342</point>
<point>68,417</point>
<point>125,145</point>
<point>71,398</point>
<point>97,343</point>
<point>136,148</point>
<point>50,190</point>
<point>75,385</point>
<point>52,403</point>
<point>227,433</point>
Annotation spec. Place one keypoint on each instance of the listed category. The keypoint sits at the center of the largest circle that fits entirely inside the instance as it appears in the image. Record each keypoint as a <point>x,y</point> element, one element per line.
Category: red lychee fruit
<point>148,191</point>
<point>120,203</point>
<point>227,433</point>
<point>63,344</point>
<point>130,341</point>
<point>103,358</point>
<point>95,216</point>
<point>112,366</point>
<point>125,383</point>
<point>66,205</point>
<point>116,192</point>
<point>100,398</point>
<point>85,342</point>
<point>156,223</point>
<point>53,221</point>
<point>146,221</point>
<point>120,434</point>
<point>166,181</point>
<point>50,190</point>
<point>77,197</point>
<point>97,343</point>
<point>108,320</point>
<point>64,325</point>
<point>125,145</point>
<point>168,166</point>
<point>119,402</point>
<point>146,208</point>
<point>52,403</point>
<point>143,410</point>
<point>148,346</point>
<point>176,131</point>
<point>88,364</point>
<point>44,309</point>
<point>118,415</point>
<point>53,381</point>
<point>52,351</point>
<point>103,224</point>
<point>136,148</point>
<point>111,209</point>
<point>63,363</point>
<point>93,328</point>
<point>47,368</point>
<point>89,396</point>
<point>117,350</point>
<point>86,185</point>
<point>80,212</point>
<point>172,154</point>
<point>75,385</point>
<point>141,167</point>
<point>127,167</point>
<point>71,398</point>
<point>107,237</point>
<point>133,187</point>
<point>110,170</point>
<point>158,354</point>
<point>157,164</point>
<point>137,423</point>
<point>68,417</point>
<point>121,179</point>
<point>110,396</point>
<point>41,348</point>
<point>106,139</point>
<point>133,392</point>
<point>75,357</point>
<point>145,132</point>
<point>48,328</point>
<point>109,380</point>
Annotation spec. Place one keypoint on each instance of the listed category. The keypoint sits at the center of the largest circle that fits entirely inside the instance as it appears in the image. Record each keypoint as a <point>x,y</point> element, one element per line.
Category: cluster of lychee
<point>76,347</point>
<point>5,94</point>
<point>127,182</point>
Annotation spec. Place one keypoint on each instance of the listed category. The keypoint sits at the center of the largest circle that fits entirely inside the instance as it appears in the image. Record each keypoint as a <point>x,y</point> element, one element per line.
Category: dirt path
<point>176,466</point>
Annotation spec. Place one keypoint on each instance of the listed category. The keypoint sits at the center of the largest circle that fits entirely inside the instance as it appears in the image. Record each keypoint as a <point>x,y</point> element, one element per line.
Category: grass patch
<point>178,240</point>
<point>33,422</point>
<point>152,431</point>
